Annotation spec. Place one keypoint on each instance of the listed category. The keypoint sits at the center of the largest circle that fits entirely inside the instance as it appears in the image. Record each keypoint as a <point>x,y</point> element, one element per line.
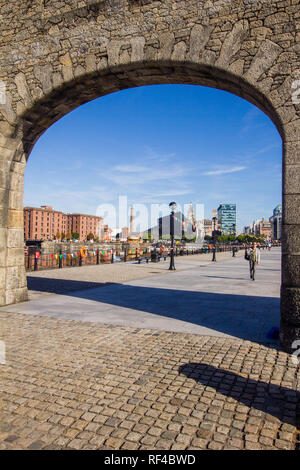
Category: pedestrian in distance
<point>253,256</point>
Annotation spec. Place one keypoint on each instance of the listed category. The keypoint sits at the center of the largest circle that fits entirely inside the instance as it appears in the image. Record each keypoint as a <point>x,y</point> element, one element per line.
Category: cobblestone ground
<point>68,384</point>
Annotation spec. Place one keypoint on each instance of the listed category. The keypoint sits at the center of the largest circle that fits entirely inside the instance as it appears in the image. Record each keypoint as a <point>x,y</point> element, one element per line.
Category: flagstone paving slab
<point>56,280</point>
<point>207,299</point>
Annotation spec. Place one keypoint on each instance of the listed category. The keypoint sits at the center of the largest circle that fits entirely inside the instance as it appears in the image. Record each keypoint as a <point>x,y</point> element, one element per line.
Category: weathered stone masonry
<point>58,54</point>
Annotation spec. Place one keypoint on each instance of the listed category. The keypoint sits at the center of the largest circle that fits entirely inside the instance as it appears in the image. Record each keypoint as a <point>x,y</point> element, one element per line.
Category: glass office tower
<point>227,218</point>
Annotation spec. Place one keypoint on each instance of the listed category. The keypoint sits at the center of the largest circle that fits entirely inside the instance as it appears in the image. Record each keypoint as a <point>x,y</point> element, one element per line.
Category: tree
<point>58,236</point>
<point>251,238</point>
<point>190,239</point>
<point>75,235</point>
<point>63,236</point>
<point>222,238</point>
<point>241,238</point>
<point>90,236</point>
<point>147,237</point>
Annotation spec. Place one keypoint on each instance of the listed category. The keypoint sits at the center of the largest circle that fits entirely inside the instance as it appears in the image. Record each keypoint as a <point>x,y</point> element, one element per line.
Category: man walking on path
<point>254,259</point>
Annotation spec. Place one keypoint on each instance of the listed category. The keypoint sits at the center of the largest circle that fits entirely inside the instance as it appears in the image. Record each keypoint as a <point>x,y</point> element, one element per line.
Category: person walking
<point>254,259</point>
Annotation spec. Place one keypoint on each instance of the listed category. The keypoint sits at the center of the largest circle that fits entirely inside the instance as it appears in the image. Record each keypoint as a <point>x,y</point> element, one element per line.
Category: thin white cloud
<point>249,120</point>
<point>68,199</point>
<point>162,171</point>
<point>175,192</point>
<point>267,148</point>
<point>147,176</point>
<point>153,155</point>
<point>130,168</point>
<point>224,171</point>
<point>168,193</point>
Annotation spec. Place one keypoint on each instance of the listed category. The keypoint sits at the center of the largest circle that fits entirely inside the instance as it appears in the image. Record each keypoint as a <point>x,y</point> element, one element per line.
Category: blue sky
<point>157,144</point>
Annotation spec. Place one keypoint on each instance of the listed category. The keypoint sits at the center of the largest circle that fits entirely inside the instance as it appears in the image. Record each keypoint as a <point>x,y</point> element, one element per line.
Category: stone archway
<point>55,58</point>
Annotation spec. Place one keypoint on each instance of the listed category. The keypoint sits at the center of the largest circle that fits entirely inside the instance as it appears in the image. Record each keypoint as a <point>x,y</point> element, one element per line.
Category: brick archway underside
<point>55,57</point>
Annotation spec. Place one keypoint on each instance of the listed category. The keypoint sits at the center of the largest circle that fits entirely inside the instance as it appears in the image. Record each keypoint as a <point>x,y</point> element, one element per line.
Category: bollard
<point>125,255</point>
<point>98,257</point>
<point>80,260</point>
<point>60,260</point>
<point>35,264</point>
<point>112,256</point>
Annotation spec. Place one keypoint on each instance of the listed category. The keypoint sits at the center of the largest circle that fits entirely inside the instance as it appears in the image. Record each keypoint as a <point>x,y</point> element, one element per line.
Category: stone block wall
<point>56,55</point>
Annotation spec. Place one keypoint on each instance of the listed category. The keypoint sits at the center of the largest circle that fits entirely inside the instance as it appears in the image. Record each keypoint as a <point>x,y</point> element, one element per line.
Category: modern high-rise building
<point>276,222</point>
<point>164,226</point>
<point>182,227</point>
<point>227,218</point>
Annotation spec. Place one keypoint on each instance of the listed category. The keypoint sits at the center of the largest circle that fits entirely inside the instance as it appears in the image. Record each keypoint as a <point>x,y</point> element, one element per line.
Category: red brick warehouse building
<point>44,223</point>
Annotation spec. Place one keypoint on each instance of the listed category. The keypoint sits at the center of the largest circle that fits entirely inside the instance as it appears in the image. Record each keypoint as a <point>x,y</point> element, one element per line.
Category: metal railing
<point>40,261</point>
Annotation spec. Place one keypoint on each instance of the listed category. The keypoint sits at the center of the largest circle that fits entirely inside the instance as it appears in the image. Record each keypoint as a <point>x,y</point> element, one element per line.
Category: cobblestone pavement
<point>76,385</point>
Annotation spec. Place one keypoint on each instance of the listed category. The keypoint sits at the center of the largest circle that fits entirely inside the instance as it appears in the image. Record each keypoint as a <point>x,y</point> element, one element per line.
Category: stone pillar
<point>4,175</point>
<point>13,286</point>
<point>290,288</point>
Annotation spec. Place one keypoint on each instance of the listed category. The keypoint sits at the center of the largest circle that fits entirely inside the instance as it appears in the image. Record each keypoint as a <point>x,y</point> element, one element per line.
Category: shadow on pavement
<point>280,402</point>
<point>245,317</point>
<point>60,286</point>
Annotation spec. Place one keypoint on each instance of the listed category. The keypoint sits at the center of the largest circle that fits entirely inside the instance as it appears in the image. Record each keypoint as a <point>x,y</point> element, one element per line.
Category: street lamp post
<point>214,240</point>
<point>172,206</point>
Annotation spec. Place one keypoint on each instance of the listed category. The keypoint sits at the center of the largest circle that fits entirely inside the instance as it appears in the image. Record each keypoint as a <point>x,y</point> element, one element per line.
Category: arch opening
<point>62,99</point>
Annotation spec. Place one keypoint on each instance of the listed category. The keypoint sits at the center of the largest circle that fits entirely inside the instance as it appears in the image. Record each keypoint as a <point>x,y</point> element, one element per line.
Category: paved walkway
<point>216,299</point>
<point>71,384</point>
<point>58,280</point>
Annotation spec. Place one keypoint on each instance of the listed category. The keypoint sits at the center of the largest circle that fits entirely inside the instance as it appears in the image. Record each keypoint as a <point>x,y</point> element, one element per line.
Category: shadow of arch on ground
<point>242,316</point>
<point>282,403</point>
